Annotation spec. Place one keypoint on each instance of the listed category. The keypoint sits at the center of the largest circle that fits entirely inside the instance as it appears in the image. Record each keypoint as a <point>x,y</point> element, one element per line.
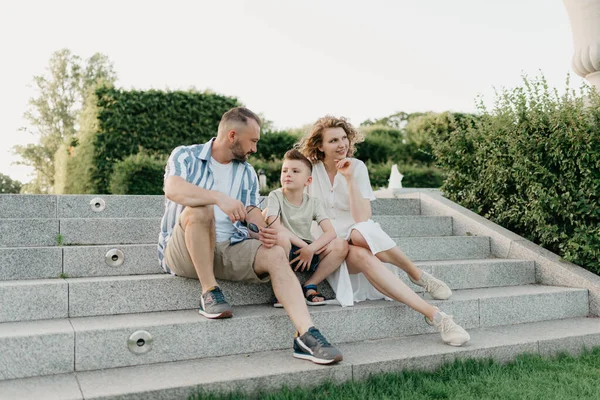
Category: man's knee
<point>198,215</point>
<point>273,259</point>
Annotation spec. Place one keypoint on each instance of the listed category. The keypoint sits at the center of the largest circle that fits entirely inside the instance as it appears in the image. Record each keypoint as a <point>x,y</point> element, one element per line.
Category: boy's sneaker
<point>314,347</point>
<point>213,304</point>
<point>452,333</point>
<point>432,285</point>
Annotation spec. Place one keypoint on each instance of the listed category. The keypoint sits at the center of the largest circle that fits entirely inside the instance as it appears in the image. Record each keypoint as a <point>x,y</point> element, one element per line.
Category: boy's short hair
<point>296,155</point>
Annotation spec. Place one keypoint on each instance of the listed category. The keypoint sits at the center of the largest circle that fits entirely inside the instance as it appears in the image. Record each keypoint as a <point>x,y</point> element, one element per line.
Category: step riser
<point>30,263</point>
<point>444,248</point>
<point>43,348</point>
<point>105,296</point>
<point>416,226</point>
<point>129,206</point>
<point>110,231</point>
<point>99,231</point>
<point>185,335</point>
<point>45,299</point>
<point>271,370</point>
<point>28,232</point>
<point>106,348</point>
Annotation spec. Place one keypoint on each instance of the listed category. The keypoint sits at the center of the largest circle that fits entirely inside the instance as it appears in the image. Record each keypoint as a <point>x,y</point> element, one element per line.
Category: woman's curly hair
<point>309,144</point>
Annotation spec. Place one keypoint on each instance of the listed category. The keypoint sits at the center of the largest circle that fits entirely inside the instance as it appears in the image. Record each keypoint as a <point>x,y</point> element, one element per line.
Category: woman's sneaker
<point>437,289</point>
<point>452,333</point>
<point>314,347</point>
<point>213,304</point>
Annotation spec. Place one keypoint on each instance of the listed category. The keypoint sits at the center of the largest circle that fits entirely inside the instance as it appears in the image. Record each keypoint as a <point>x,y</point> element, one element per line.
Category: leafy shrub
<point>116,123</point>
<point>273,145</point>
<point>138,174</point>
<point>532,165</point>
<point>9,185</point>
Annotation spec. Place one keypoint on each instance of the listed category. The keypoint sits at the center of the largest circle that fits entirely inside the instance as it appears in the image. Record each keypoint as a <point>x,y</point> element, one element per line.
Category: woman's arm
<point>360,208</point>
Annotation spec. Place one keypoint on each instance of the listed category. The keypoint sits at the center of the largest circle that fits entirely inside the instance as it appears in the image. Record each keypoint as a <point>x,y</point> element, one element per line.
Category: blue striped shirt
<point>192,163</point>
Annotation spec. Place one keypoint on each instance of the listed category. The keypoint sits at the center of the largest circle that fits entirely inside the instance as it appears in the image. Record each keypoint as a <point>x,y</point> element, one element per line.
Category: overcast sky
<point>291,61</point>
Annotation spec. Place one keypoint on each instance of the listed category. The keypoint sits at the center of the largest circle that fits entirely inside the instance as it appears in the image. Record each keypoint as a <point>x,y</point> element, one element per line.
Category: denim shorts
<point>314,263</point>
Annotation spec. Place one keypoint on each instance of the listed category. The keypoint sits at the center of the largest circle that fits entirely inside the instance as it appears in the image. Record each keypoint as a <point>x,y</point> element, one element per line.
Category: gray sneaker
<point>432,285</point>
<point>213,304</point>
<point>452,333</point>
<point>314,347</point>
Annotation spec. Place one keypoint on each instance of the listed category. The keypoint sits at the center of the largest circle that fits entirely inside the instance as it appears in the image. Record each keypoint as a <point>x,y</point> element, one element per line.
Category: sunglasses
<point>253,227</point>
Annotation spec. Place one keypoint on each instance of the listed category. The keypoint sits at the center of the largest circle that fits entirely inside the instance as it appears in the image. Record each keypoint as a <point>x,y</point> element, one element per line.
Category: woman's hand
<point>345,167</point>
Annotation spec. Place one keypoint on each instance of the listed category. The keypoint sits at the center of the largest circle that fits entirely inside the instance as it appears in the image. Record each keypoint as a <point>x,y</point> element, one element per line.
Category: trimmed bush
<point>532,165</point>
<point>138,174</point>
<point>116,123</point>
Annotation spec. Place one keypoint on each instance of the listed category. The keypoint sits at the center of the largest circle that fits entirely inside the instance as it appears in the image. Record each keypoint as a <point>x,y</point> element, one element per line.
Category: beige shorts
<point>232,262</point>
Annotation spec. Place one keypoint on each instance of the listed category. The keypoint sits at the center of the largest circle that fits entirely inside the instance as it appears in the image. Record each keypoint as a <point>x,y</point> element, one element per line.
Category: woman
<point>342,184</point>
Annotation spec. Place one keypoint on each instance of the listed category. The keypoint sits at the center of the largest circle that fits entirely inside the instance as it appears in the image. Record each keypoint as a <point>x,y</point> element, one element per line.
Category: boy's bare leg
<point>331,259</point>
<point>275,262</point>
<point>199,226</point>
<point>393,256</point>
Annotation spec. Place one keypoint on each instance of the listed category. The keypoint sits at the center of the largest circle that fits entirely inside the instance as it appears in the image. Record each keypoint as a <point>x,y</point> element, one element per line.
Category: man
<point>212,196</point>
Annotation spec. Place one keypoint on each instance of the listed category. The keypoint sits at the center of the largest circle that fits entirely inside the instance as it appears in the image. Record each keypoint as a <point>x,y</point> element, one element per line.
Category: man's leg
<point>309,344</point>
<point>198,224</point>
<point>274,261</point>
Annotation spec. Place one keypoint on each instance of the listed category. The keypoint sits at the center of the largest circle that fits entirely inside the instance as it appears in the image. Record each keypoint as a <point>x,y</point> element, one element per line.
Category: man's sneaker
<point>314,347</point>
<point>436,288</point>
<point>452,333</point>
<point>214,305</point>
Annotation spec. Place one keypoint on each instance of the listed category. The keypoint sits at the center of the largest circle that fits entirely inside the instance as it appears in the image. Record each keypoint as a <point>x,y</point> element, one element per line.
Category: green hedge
<point>532,165</point>
<point>138,174</point>
<point>118,123</point>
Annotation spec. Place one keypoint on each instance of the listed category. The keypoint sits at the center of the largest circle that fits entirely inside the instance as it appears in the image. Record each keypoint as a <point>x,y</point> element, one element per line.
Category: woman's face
<point>335,144</point>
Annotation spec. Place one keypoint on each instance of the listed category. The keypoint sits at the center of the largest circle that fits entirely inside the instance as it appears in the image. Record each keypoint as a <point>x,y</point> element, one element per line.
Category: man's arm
<point>182,192</point>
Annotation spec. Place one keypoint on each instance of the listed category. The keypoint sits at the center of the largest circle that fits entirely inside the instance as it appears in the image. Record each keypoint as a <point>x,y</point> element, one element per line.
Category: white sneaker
<point>452,333</point>
<point>436,288</point>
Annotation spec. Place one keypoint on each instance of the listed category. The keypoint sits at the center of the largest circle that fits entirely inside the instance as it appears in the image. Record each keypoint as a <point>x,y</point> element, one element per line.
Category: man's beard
<point>238,152</point>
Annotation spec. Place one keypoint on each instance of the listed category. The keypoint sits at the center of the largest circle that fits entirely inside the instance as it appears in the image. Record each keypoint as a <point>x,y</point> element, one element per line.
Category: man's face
<point>294,174</point>
<point>245,141</point>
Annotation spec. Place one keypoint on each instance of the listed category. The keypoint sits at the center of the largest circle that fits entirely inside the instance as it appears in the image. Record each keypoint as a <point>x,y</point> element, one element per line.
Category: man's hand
<point>345,167</point>
<point>234,209</point>
<point>304,258</point>
<point>268,236</point>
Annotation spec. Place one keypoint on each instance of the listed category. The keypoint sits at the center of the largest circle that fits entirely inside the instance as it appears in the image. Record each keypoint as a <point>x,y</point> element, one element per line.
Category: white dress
<point>336,201</point>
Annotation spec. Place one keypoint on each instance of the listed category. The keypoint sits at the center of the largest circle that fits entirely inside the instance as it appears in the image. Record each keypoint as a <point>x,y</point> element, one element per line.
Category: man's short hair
<point>238,114</point>
<point>296,155</point>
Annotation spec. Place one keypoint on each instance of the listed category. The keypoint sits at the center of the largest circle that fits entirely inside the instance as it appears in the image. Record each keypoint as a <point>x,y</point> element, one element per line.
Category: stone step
<point>270,370</point>
<point>98,231</point>
<point>43,299</point>
<point>95,260</point>
<point>133,206</point>
<point>413,226</point>
<point>101,342</point>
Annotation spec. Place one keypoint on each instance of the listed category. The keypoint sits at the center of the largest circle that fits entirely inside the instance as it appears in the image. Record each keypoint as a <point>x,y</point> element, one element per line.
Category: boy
<point>291,212</point>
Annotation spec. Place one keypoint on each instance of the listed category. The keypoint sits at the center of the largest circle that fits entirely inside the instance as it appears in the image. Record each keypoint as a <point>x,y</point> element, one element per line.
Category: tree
<point>53,114</point>
<point>8,185</point>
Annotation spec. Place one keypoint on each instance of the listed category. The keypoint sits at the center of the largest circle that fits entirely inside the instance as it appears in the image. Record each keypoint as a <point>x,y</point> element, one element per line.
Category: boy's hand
<point>268,236</point>
<point>304,258</point>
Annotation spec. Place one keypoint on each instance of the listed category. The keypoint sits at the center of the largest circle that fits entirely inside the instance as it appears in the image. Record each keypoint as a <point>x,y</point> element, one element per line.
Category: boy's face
<point>295,175</point>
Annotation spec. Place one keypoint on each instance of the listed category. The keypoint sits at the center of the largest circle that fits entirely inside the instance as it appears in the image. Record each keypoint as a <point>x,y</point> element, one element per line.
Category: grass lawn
<point>528,377</point>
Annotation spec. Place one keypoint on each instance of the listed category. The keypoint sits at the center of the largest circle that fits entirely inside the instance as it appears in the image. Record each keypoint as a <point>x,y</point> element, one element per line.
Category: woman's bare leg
<point>394,256</point>
<point>362,260</point>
